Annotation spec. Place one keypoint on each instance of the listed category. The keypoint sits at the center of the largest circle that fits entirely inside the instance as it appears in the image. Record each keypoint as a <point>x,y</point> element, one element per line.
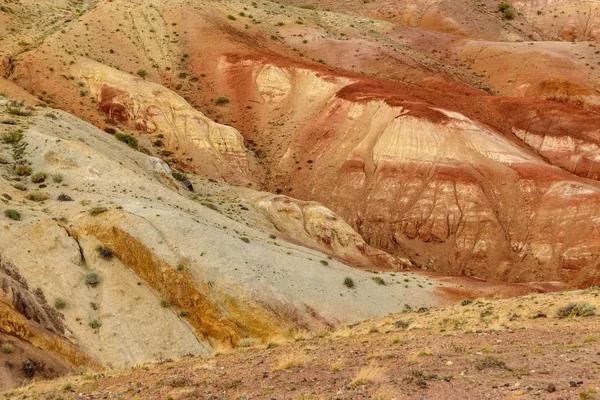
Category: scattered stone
<point>64,197</point>
<point>551,388</point>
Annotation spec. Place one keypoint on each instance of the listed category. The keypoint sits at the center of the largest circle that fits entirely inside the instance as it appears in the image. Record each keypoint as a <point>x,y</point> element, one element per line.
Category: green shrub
<point>13,214</point>
<point>92,279</point>
<point>180,176</point>
<point>325,263</point>
<point>245,239</point>
<point>231,17</point>
<point>95,324</point>
<point>60,303</point>
<point>506,10</point>
<point>222,100</point>
<point>20,186</point>
<point>271,236</point>
<point>348,282</point>
<point>142,73</point>
<point>378,280</point>
<point>164,303</point>
<point>12,137</point>
<point>130,140</point>
<point>580,309</point>
<point>39,177</point>
<point>18,108</point>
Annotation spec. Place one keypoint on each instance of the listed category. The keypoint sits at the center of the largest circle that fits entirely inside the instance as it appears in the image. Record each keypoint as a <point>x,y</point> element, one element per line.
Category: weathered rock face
<point>421,181</point>
<point>153,109</point>
<point>315,225</point>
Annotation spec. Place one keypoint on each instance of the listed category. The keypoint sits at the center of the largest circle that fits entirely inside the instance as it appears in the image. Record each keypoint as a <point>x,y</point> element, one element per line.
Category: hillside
<point>487,349</point>
<point>182,178</point>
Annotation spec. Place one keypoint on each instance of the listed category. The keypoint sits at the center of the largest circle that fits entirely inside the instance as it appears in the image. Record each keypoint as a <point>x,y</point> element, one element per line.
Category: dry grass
<point>291,360</point>
<point>249,342</point>
<point>368,374</point>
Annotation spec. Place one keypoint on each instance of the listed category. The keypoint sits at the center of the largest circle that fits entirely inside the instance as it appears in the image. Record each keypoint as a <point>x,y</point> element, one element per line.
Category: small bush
<point>378,280</point>
<point>104,252</point>
<point>272,236</point>
<point>7,348</point>
<point>164,303</point>
<point>57,177</point>
<point>92,279</point>
<point>142,73</point>
<point>13,214</point>
<point>348,282</point>
<point>39,177</point>
<point>60,303</point>
<point>20,186</point>
<point>231,17</point>
<point>325,263</point>
<point>466,302</point>
<point>222,100</point>
<point>23,170</point>
<point>130,140</point>
<point>245,239</point>
<point>37,195</point>
<point>18,108</point>
<point>98,210</point>
<point>110,131</point>
<point>489,362</point>
<point>581,309</point>
<point>180,176</point>
<point>12,137</point>
<point>95,324</point>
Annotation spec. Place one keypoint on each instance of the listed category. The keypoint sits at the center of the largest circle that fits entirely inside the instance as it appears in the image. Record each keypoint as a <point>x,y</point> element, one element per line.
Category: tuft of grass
<point>249,342</point>
<point>222,100</point>
<point>576,309</point>
<point>164,303</point>
<point>57,177</point>
<point>13,214</point>
<point>98,210</point>
<point>39,177</point>
<point>291,360</point>
<point>92,279</point>
<point>23,170</point>
<point>489,362</point>
<point>18,108</point>
<point>37,195</point>
<point>368,374</point>
<point>348,282</point>
<point>142,73</point>
<point>60,303</point>
<point>379,280</point>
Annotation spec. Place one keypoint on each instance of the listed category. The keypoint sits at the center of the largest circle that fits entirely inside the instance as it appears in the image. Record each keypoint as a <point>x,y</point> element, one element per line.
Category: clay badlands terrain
<point>299,199</point>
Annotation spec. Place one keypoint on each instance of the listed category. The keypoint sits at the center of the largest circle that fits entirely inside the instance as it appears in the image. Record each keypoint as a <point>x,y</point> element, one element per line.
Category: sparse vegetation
<point>18,108</point>
<point>128,139</point>
<point>348,282</point>
<point>23,170</point>
<point>379,280</point>
<point>7,348</point>
<point>142,73</point>
<point>180,176</point>
<point>95,324</point>
<point>249,342</point>
<point>98,210</point>
<point>245,239</point>
<point>506,10</point>
<point>489,362</point>
<point>92,279</point>
<point>60,303</point>
<point>13,214</point>
<point>164,303</point>
<point>37,195</point>
<point>39,177</point>
<point>222,100</point>
<point>291,360</point>
<point>57,177</point>
<point>580,309</point>
<point>368,374</point>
